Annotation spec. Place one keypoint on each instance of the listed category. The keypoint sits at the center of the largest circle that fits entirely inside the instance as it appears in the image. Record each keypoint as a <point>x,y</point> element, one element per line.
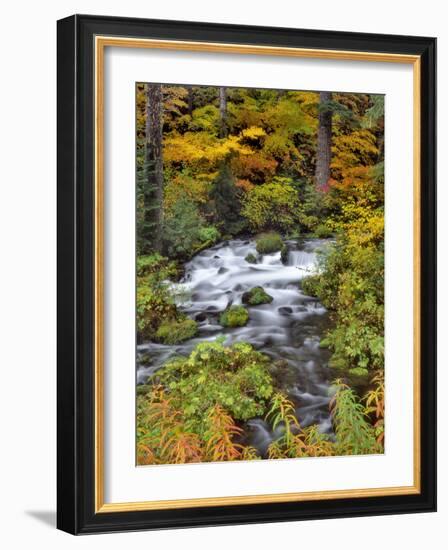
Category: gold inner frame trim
<point>101,42</point>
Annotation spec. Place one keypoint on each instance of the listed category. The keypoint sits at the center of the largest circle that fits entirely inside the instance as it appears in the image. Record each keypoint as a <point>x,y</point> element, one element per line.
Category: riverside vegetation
<point>277,169</point>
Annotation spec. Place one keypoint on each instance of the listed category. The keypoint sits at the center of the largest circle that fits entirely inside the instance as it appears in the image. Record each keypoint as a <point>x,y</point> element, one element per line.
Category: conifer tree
<point>226,200</point>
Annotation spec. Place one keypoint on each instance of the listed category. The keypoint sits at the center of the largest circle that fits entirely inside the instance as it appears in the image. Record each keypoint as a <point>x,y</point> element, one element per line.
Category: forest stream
<point>288,329</point>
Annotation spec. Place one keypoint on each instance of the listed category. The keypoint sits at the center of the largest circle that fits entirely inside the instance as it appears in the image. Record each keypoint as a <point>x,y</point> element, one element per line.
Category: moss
<point>268,243</point>
<point>256,296</point>
<point>176,331</point>
<point>234,316</point>
<point>251,258</point>
<point>334,362</point>
<point>358,372</point>
<point>284,253</point>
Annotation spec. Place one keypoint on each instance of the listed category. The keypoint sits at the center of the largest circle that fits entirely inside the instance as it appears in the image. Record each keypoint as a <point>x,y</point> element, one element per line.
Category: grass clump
<point>176,330</point>
<point>234,316</point>
<point>268,243</point>
<point>256,296</point>
<point>251,258</point>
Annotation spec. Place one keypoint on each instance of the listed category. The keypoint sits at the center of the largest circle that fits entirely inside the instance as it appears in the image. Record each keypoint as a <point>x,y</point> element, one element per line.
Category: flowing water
<point>288,329</point>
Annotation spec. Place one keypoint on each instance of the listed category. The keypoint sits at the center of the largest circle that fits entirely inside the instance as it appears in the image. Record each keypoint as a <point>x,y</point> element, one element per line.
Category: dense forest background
<point>240,159</point>
<point>214,163</point>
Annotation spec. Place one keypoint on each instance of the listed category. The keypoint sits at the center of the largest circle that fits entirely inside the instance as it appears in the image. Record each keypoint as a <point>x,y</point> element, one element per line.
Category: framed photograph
<point>246,274</point>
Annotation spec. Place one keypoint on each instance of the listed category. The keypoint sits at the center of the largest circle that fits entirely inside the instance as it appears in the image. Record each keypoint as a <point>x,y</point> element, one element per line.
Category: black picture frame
<point>76,265</point>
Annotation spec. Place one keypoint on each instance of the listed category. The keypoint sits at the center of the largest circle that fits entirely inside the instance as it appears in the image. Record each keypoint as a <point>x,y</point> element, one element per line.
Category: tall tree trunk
<point>223,111</point>
<point>154,166</point>
<point>323,156</point>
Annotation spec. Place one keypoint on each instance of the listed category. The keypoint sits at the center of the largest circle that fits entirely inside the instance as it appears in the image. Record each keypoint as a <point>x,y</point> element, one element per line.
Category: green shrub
<point>226,199</point>
<point>322,232</point>
<point>234,316</point>
<point>268,243</point>
<point>157,265</point>
<point>155,299</point>
<point>308,223</point>
<point>272,206</point>
<point>154,305</point>
<point>251,258</point>
<point>235,377</point>
<point>208,234</point>
<point>356,345</point>
<point>185,232</point>
<point>176,331</point>
<point>256,296</point>
<point>182,229</point>
<point>311,285</point>
<point>351,285</point>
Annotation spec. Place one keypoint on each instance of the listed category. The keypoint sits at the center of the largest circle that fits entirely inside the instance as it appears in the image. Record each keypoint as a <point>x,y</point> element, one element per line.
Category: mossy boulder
<point>285,310</point>
<point>256,296</point>
<point>358,372</point>
<point>268,243</point>
<point>251,258</point>
<point>176,331</point>
<point>234,316</point>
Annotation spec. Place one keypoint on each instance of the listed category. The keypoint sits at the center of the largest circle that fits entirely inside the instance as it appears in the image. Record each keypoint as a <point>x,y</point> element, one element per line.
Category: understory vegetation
<point>274,165</point>
<point>351,283</point>
<point>192,411</point>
